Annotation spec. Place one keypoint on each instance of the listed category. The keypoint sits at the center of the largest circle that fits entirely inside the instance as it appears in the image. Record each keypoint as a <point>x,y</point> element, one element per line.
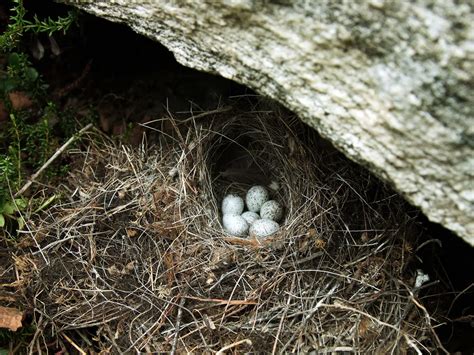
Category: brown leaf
<point>20,100</point>
<point>10,318</point>
<point>131,232</point>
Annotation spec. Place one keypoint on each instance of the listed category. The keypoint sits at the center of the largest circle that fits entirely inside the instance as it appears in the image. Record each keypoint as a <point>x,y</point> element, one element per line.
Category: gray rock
<point>388,82</point>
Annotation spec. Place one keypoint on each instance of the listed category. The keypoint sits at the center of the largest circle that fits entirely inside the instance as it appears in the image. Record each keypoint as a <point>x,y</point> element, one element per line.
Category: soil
<point>106,71</point>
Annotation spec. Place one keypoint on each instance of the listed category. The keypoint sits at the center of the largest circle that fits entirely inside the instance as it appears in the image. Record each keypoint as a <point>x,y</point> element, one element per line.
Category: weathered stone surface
<point>388,82</point>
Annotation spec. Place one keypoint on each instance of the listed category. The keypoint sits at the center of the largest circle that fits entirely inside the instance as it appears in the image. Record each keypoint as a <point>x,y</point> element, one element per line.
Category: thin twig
<point>50,160</point>
<point>222,301</point>
<point>178,325</point>
<point>70,341</point>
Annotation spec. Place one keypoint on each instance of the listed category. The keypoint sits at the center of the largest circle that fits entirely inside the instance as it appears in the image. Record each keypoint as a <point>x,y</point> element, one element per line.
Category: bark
<point>388,82</point>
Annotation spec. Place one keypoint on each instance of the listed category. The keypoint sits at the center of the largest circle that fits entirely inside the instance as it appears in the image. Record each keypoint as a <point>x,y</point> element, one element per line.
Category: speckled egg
<point>256,197</point>
<point>271,210</point>
<point>232,204</point>
<point>250,217</point>
<point>263,228</point>
<point>235,225</point>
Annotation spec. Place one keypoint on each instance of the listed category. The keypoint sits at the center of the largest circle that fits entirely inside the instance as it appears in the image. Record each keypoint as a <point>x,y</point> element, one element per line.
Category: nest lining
<point>139,254</point>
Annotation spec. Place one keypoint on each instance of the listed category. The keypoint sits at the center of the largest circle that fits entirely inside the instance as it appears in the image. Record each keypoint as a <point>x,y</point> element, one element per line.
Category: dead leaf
<point>113,270</point>
<point>312,233</point>
<point>130,266</point>
<point>320,243</point>
<point>10,318</point>
<point>131,232</point>
<point>20,100</point>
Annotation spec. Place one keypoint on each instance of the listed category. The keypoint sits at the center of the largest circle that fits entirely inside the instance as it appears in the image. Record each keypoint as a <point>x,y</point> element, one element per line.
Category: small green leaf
<point>8,208</point>
<point>2,221</point>
<point>31,74</point>
<point>21,223</point>
<point>14,60</point>
<point>21,203</point>
<point>7,85</point>
<point>46,203</point>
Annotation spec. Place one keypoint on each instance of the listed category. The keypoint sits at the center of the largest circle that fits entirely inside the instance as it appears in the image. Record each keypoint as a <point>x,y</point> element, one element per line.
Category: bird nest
<point>135,258</point>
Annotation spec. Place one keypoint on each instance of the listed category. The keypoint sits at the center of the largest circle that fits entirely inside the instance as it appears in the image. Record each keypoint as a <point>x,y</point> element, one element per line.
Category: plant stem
<point>50,160</point>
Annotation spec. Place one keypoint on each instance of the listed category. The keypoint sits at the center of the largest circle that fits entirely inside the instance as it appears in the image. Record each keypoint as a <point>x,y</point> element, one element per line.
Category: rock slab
<point>388,82</point>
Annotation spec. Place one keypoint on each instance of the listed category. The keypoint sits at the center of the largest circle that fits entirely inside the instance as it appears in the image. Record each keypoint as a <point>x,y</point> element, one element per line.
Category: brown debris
<point>20,100</point>
<point>10,318</point>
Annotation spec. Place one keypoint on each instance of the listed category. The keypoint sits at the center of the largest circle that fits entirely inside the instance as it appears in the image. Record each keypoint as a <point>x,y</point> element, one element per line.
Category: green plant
<point>18,340</point>
<point>26,139</point>
<point>10,210</point>
<point>21,75</point>
<point>19,25</point>
<point>30,145</point>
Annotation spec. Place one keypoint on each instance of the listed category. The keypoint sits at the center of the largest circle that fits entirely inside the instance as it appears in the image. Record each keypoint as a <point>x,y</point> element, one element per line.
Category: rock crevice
<point>388,82</point>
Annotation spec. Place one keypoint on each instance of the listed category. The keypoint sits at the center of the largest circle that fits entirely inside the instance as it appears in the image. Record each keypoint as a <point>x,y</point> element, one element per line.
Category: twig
<point>50,160</point>
<point>233,345</point>
<point>428,320</point>
<point>204,114</point>
<point>178,325</point>
<point>82,352</point>
<point>221,301</point>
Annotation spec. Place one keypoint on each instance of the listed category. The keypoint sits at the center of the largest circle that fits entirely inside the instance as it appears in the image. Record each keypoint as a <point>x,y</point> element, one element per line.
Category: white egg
<point>271,210</point>
<point>263,228</point>
<point>235,225</point>
<point>250,217</point>
<point>256,197</point>
<point>232,204</point>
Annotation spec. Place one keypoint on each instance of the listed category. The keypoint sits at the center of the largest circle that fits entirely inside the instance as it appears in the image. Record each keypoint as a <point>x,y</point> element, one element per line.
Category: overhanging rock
<point>388,82</point>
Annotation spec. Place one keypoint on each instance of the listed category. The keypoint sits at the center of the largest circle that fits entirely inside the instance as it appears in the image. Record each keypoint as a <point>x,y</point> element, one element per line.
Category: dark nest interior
<point>138,254</point>
<point>132,256</point>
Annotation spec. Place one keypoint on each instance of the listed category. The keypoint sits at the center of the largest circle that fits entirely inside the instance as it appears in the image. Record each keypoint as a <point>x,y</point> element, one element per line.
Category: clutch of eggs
<point>239,223</point>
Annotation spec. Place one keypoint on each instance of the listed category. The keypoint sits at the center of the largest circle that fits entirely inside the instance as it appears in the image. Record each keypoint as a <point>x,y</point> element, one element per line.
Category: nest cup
<point>242,151</point>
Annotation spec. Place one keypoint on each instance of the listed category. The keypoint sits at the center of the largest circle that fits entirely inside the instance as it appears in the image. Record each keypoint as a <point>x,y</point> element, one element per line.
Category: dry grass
<point>137,255</point>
